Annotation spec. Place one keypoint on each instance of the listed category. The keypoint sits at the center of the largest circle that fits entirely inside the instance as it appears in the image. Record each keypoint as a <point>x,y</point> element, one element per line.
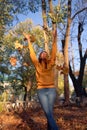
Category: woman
<point>45,80</point>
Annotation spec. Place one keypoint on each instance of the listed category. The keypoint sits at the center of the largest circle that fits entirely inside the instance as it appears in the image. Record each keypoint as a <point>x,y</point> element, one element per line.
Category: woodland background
<point>17,73</point>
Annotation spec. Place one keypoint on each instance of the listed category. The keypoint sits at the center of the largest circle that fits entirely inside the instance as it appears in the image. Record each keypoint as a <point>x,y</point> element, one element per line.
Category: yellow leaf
<point>18,45</point>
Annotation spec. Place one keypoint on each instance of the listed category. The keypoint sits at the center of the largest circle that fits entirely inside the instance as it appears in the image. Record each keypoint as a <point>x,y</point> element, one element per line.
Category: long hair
<point>40,59</point>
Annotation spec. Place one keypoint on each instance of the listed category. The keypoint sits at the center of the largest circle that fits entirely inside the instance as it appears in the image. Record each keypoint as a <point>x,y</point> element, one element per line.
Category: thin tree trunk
<point>66,60</point>
<point>54,29</point>
<point>77,82</point>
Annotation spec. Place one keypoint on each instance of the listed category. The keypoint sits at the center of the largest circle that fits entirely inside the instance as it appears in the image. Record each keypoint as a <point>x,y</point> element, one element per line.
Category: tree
<point>40,36</point>
<point>65,44</point>
<point>19,52</point>
<point>50,15</point>
<point>51,18</point>
<point>5,17</point>
<point>77,80</point>
<point>66,60</point>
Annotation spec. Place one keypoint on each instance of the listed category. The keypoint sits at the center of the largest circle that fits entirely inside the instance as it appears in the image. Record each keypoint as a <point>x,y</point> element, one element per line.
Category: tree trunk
<point>77,82</point>
<point>66,60</point>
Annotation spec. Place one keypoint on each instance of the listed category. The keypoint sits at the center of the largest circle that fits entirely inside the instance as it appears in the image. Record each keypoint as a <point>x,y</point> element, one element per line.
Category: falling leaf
<point>13,60</point>
<point>18,45</point>
<point>26,64</point>
<point>32,38</point>
<point>65,70</point>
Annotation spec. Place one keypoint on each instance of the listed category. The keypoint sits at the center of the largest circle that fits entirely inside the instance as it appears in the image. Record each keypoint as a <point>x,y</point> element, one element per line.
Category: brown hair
<point>40,59</point>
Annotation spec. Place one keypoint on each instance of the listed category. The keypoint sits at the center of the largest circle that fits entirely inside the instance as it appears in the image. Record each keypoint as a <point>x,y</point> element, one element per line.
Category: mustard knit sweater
<point>44,76</point>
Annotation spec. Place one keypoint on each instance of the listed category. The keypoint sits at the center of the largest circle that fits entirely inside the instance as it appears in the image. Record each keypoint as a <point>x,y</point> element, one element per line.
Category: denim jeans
<point>47,98</point>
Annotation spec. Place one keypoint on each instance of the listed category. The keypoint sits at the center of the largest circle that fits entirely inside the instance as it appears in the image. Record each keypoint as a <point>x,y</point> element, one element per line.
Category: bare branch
<point>85,55</point>
<point>78,12</point>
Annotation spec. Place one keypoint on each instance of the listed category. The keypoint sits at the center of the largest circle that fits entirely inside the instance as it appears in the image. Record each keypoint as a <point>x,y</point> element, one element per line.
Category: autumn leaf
<point>60,59</point>
<point>18,45</point>
<point>25,64</point>
<point>31,37</point>
<point>65,70</point>
<point>13,60</point>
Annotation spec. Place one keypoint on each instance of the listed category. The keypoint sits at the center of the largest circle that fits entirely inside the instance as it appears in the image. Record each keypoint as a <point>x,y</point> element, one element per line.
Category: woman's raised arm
<point>54,47</point>
<point>32,52</point>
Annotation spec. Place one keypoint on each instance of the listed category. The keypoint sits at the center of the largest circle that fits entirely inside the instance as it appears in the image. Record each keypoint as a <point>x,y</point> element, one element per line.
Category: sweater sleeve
<point>53,53</point>
<point>32,54</point>
<point>54,48</point>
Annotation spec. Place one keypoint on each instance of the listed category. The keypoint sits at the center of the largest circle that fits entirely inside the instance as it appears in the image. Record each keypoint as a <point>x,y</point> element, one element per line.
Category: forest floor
<point>67,118</point>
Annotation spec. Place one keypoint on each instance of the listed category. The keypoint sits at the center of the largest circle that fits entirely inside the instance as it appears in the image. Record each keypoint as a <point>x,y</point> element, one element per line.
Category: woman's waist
<point>45,86</point>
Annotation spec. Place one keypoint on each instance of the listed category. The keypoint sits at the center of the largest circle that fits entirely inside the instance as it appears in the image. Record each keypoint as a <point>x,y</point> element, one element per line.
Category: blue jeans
<point>47,98</point>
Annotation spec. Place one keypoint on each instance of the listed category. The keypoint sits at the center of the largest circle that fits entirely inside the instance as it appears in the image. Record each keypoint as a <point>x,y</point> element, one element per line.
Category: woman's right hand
<point>27,36</point>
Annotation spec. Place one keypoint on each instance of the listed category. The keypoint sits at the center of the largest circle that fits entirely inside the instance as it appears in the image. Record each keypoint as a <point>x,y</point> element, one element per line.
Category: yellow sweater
<point>44,76</point>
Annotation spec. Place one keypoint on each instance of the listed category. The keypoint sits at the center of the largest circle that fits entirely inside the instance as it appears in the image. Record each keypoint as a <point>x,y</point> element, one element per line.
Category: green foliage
<point>25,26</point>
<point>17,34</point>
<point>1,98</point>
<point>9,10</point>
<point>60,84</point>
<point>34,5</point>
<point>12,8</point>
<point>1,106</point>
<point>4,69</point>
<point>5,96</point>
<point>5,15</point>
<point>59,15</point>
<point>22,73</point>
<point>4,61</point>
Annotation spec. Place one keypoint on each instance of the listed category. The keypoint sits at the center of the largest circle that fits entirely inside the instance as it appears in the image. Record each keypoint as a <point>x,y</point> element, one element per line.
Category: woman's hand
<point>27,36</point>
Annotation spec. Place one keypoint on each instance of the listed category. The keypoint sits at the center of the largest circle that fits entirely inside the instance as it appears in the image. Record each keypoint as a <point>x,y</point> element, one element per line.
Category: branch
<point>71,73</point>
<point>82,67</point>
<point>46,42</point>
<point>85,55</point>
<point>80,30</point>
<point>44,14</point>
<point>78,12</point>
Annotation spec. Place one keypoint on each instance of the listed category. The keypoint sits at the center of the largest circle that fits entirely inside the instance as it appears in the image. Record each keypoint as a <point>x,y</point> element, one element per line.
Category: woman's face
<point>43,56</point>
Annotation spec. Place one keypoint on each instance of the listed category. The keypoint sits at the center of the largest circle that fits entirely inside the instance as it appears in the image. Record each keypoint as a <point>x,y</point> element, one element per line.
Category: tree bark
<point>66,60</point>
